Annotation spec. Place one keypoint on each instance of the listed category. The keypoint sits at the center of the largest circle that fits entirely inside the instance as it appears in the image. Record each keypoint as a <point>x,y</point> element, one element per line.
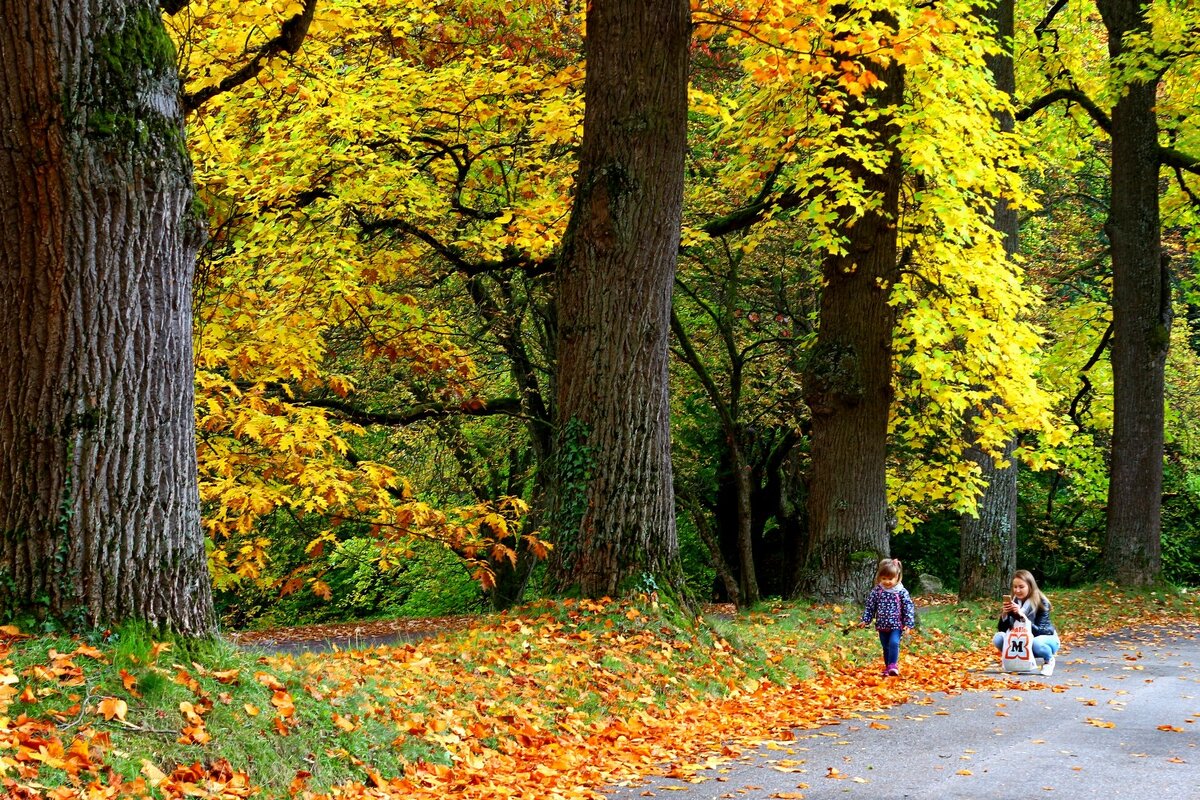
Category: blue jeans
<point>891,646</point>
<point>1044,647</point>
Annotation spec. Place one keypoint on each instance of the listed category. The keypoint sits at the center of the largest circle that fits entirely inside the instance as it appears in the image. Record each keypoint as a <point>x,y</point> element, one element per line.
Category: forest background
<point>864,305</point>
<point>374,309</point>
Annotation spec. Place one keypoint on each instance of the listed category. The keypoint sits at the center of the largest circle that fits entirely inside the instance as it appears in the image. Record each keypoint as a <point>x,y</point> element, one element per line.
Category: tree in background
<point>99,514</point>
<point>988,538</point>
<point>1147,82</point>
<point>1141,305</point>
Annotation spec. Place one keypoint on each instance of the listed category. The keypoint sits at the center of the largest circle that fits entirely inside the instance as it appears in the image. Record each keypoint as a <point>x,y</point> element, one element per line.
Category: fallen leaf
<point>113,707</point>
<point>130,683</point>
<point>153,774</point>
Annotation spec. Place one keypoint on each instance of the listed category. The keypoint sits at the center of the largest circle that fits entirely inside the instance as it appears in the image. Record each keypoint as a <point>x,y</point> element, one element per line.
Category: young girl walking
<point>890,605</point>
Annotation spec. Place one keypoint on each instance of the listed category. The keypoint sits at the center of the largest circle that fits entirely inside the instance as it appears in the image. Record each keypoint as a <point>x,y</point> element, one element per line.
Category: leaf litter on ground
<point>556,700</point>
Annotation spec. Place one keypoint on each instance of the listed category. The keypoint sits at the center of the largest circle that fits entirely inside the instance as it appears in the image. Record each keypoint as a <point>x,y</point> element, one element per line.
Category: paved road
<point>1121,723</point>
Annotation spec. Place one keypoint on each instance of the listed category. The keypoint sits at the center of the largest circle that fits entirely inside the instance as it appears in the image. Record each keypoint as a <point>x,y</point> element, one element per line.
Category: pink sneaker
<point>892,670</point>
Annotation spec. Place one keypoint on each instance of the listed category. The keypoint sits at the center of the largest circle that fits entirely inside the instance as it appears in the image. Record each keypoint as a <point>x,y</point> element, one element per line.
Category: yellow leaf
<point>153,774</point>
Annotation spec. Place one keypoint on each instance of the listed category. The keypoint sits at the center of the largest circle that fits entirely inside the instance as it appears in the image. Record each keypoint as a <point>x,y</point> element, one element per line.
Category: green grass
<point>482,674</point>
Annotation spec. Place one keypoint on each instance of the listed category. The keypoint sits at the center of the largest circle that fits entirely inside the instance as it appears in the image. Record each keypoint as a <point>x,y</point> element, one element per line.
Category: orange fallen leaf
<point>228,676</point>
<point>90,652</point>
<point>1099,723</point>
<point>1170,728</point>
<point>964,772</point>
<point>113,707</point>
<point>130,683</point>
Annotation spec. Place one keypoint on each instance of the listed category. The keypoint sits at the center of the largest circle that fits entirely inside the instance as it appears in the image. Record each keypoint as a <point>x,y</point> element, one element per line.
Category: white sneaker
<point>1048,668</point>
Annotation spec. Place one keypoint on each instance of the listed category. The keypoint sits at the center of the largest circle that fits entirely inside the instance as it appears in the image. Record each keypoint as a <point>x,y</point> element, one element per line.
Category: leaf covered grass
<point>557,700</point>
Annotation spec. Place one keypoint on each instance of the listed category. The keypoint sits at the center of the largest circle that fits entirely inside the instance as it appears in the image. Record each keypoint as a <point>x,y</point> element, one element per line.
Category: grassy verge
<point>545,702</point>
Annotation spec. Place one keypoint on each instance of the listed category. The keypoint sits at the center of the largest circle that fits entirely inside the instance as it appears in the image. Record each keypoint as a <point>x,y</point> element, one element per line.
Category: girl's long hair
<point>1039,600</point>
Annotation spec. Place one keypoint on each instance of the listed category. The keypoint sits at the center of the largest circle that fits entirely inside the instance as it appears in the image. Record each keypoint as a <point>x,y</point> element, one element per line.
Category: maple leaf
<point>111,707</point>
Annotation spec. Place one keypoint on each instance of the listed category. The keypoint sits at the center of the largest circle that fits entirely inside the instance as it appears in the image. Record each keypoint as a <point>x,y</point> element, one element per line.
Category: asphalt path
<point>1119,719</point>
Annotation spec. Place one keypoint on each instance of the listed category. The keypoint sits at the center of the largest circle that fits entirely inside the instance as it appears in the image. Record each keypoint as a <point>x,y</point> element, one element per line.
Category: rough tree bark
<point>99,511</point>
<point>612,504</point>
<point>988,541</point>
<point>1141,309</point>
<point>848,381</point>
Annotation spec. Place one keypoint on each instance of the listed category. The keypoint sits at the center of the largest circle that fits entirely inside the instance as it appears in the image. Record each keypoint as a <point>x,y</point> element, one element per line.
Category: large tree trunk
<point>1141,309</point>
<point>988,541</point>
<point>848,381</point>
<point>99,511</point>
<point>613,511</point>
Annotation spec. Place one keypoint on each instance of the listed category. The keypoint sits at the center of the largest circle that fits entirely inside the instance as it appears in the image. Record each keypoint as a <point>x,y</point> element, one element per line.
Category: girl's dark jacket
<point>1039,619</point>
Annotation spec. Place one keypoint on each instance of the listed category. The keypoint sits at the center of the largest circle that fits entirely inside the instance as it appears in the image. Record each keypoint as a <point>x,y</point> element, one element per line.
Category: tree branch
<point>291,36</point>
<point>1074,412</point>
<point>756,209</point>
<point>483,408</point>
<point>1167,156</point>
<point>453,254</point>
<point>1051,13</point>
<point>1070,95</point>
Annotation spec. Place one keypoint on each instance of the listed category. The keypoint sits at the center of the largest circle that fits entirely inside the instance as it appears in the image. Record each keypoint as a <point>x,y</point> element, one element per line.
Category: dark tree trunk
<point>1141,309</point>
<point>988,542</point>
<point>99,511</point>
<point>612,512</point>
<point>848,381</point>
<point>774,553</point>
